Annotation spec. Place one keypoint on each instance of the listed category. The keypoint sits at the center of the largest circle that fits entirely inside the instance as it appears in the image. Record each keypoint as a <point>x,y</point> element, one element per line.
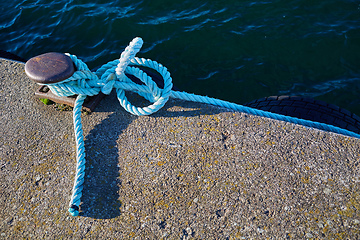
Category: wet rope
<point>112,75</point>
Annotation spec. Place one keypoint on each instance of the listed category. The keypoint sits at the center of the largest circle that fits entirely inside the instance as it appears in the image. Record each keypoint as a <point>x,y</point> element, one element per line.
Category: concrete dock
<point>189,171</point>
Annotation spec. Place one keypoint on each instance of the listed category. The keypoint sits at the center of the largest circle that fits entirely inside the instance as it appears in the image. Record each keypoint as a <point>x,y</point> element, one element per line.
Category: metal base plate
<point>89,104</point>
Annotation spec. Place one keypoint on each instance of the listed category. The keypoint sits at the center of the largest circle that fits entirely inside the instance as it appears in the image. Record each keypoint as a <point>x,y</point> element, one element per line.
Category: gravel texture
<point>189,171</point>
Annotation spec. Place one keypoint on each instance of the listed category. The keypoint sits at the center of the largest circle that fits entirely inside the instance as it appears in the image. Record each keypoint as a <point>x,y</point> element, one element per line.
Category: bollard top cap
<point>49,68</point>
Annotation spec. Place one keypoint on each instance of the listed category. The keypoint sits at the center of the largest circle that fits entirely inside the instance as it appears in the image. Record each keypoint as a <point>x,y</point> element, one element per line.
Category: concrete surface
<point>190,171</point>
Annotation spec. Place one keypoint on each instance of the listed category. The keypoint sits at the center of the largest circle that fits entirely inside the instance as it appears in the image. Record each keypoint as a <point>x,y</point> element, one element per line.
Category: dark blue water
<point>232,50</point>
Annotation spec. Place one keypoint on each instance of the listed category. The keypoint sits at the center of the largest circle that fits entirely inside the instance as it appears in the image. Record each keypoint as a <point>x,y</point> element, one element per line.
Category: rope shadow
<point>111,104</point>
<point>100,199</point>
<point>100,194</point>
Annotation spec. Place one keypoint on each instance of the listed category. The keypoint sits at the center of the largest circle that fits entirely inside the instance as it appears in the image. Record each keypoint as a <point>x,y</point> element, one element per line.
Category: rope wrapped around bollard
<point>112,75</point>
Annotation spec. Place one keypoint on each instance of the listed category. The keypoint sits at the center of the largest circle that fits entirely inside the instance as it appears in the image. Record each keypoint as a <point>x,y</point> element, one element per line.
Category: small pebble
<point>309,235</point>
<point>327,191</point>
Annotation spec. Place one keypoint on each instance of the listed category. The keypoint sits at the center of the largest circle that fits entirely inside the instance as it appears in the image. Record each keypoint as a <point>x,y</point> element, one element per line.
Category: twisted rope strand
<point>80,157</point>
<point>262,113</point>
<point>112,75</point>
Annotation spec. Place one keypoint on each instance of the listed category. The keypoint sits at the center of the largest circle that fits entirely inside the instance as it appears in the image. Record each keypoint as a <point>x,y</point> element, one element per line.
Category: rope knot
<point>110,81</point>
<point>128,64</point>
<point>114,75</point>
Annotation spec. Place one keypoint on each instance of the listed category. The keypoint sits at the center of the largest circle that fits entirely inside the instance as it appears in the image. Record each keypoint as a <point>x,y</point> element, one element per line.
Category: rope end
<point>74,210</point>
<point>138,41</point>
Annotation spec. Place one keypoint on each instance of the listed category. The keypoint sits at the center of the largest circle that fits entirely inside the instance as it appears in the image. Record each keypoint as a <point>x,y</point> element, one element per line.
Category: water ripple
<point>10,23</point>
<point>320,88</point>
<point>177,16</point>
<point>293,47</point>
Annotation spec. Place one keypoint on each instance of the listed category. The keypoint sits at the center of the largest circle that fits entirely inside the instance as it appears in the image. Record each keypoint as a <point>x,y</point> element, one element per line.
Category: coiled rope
<point>112,75</point>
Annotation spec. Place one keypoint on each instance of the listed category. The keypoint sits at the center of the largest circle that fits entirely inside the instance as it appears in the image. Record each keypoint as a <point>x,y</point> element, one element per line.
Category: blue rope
<point>112,75</point>
<point>80,157</point>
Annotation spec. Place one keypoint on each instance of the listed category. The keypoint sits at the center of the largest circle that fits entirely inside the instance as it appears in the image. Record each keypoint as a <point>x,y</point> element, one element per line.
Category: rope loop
<point>113,75</point>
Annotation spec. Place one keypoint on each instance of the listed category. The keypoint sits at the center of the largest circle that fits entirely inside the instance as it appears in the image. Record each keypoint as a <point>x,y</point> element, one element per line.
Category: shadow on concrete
<point>100,199</point>
<point>110,104</point>
<point>100,194</point>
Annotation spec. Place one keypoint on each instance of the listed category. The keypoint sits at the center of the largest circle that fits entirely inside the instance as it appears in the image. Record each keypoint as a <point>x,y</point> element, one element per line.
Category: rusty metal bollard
<point>55,67</point>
